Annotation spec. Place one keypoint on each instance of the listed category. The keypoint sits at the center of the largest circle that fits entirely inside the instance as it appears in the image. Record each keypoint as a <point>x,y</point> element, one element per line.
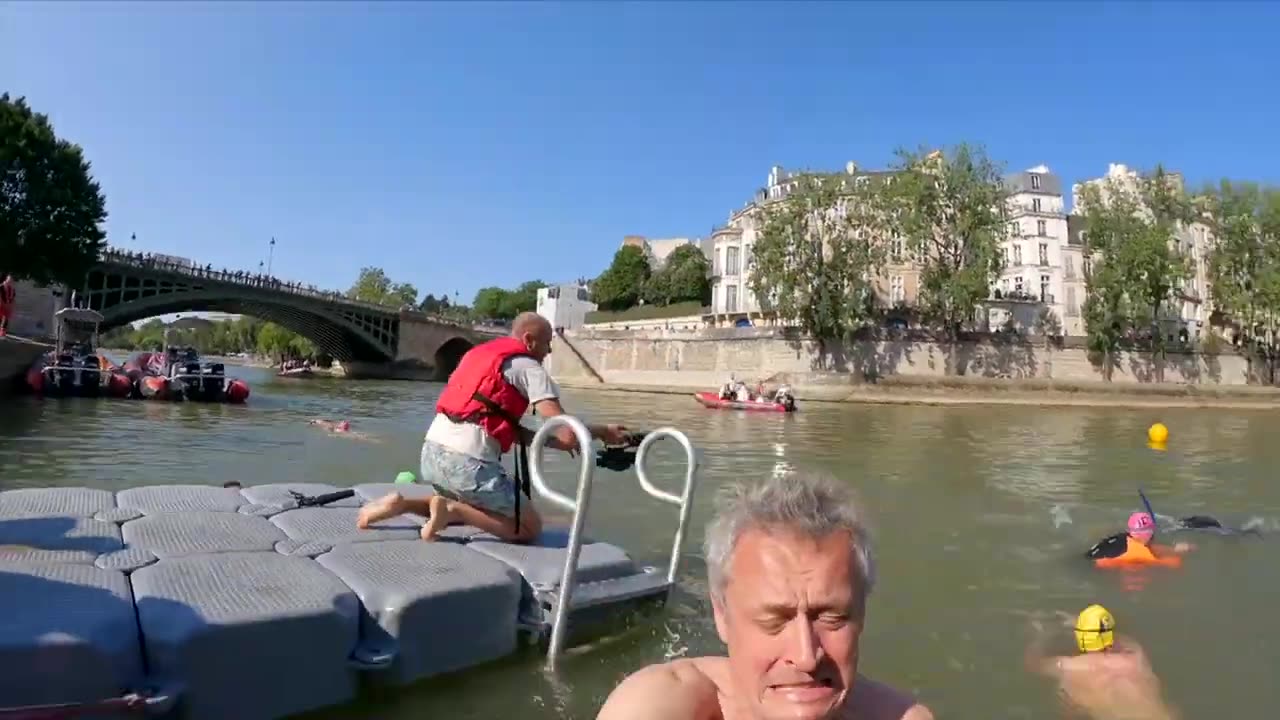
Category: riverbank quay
<point>911,372</point>
<point>16,357</point>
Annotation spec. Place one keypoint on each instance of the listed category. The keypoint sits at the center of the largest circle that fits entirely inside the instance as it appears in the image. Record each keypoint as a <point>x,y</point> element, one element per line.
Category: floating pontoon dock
<point>211,603</point>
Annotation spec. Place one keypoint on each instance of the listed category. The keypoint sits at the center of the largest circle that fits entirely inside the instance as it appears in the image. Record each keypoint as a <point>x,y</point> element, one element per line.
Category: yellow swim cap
<point>1158,434</point>
<point>1095,629</point>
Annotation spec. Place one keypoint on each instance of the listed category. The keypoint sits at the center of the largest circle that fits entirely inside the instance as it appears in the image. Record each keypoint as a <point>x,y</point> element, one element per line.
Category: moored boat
<point>762,404</point>
<point>75,368</point>
<point>179,374</point>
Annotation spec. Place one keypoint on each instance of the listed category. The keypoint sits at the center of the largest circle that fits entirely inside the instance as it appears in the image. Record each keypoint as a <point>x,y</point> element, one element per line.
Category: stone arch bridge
<point>126,288</point>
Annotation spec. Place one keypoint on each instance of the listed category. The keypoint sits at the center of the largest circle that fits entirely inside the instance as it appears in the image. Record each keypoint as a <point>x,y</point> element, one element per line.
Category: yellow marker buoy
<point>1158,434</point>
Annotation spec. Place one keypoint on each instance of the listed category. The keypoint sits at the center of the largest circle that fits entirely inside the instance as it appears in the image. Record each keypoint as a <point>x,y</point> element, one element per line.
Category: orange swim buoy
<point>1136,555</point>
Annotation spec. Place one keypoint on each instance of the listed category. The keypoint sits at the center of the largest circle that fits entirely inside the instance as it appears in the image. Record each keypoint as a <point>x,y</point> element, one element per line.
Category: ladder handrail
<point>577,506</point>
<point>682,501</point>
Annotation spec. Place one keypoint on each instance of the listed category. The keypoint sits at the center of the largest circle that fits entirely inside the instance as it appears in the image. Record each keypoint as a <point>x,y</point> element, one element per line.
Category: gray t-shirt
<point>529,378</point>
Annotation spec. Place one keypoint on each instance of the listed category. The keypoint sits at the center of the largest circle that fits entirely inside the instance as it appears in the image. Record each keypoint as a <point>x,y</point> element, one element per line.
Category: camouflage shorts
<point>478,483</point>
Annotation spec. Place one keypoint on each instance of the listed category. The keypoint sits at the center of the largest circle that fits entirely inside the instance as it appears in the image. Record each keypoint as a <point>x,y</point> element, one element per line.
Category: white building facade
<point>1031,283</point>
<point>564,306</point>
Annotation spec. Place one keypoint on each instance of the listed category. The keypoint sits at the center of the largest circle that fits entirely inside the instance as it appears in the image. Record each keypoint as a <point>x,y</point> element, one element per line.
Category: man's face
<point>791,618</point>
<point>538,342</point>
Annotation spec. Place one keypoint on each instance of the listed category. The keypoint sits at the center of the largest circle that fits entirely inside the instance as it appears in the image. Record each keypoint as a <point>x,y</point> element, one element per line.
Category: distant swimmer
<point>1134,547</point>
<point>342,427</point>
<point>1110,679</point>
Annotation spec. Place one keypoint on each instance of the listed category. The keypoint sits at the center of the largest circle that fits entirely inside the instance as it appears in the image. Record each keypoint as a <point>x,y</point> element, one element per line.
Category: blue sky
<point>464,145</point>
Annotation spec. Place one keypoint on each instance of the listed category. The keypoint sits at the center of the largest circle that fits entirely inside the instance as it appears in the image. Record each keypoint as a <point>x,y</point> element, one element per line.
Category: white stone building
<point>1031,285</point>
<point>657,251</point>
<point>564,306</point>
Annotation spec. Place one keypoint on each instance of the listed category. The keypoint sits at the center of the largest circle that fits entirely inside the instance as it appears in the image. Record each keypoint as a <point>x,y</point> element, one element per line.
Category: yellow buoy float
<point>1158,434</point>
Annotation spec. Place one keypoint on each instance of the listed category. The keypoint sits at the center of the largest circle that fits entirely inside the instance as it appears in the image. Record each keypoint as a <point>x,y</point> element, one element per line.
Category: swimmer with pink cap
<point>1140,529</point>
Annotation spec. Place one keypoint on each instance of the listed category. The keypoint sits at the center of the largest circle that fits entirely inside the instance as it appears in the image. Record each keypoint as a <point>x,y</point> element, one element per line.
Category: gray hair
<point>813,505</point>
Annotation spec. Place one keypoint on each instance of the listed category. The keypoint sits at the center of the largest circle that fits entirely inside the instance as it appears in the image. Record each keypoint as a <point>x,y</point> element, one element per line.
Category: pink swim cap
<point>1141,526</point>
<point>345,425</point>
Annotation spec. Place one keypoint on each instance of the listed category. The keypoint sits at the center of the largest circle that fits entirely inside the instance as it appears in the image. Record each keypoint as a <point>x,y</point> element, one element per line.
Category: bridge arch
<point>345,334</point>
<point>449,354</point>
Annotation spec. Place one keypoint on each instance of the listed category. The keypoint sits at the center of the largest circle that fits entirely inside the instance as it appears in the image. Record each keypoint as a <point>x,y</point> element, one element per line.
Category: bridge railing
<point>259,281</point>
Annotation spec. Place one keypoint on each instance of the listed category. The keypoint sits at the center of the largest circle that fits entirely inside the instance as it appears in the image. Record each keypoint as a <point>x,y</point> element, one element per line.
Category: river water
<point>980,516</point>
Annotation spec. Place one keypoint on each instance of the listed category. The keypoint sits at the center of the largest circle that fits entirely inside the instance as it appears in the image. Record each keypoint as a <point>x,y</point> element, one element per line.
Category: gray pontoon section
<point>236,603</point>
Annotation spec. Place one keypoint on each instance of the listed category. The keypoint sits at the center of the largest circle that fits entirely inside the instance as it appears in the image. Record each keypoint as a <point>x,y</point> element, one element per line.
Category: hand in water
<point>1183,547</point>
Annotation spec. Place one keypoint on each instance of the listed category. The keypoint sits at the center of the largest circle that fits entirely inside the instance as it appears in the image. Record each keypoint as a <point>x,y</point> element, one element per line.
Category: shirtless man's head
<point>535,332</point>
<point>789,568</point>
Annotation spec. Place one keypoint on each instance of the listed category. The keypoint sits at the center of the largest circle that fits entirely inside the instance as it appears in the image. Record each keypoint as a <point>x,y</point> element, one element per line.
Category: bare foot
<point>439,519</point>
<point>387,506</point>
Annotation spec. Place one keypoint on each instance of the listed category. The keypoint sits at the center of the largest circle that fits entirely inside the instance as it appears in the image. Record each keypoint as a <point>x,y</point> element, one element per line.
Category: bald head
<point>534,331</point>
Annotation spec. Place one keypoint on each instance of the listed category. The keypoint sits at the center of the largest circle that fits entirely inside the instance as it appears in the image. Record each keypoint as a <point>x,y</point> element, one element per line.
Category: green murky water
<point>980,515</point>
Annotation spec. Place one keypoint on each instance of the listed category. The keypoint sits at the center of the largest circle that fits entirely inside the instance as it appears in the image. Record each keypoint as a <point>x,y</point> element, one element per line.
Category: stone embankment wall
<point>705,359</point>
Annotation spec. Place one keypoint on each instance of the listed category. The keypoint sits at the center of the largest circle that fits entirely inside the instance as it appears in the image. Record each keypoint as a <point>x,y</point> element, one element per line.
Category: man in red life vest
<point>477,421</point>
<point>8,296</point>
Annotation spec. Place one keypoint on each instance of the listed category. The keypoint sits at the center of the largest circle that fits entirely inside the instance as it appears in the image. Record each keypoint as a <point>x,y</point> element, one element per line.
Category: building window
<point>1014,229</point>
<point>1042,228</point>
<point>1035,204</point>
<point>1017,284</point>
<point>731,299</point>
<point>731,261</point>
<point>897,290</point>
<point>895,248</point>
<point>1017,253</point>
<point>1004,256</point>
<point>1035,182</point>
<point>1088,267</point>
<point>1068,267</point>
<point>715,262</point>
<point>1044,289</point>
<point>1072,309</point>
<point>1044,253</point>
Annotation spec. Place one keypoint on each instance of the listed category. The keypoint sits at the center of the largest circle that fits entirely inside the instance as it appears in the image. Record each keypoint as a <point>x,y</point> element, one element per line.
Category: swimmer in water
<point>341,427</point>
<point>1110,679</point>
<point>1134,547</point>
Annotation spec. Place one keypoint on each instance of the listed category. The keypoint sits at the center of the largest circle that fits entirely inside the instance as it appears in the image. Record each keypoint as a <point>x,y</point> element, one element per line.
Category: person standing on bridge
<point>477,420</point>
<point>8,297</point>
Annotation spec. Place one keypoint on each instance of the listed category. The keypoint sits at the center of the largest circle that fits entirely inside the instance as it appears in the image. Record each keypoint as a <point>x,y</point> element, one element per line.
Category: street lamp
<point>270,253</point>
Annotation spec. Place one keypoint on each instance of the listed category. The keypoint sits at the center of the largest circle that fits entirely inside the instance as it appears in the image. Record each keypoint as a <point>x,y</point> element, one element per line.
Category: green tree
<point>51,209</point>
<point>1244,264</point>
<point>621,284</point>
<point>1130,228</point>
<point>949,209</point>
<point>684,277</point>
<point>522,299</point>
<point>373,286</point>
<point>491,302</point>
<point>812,262</point>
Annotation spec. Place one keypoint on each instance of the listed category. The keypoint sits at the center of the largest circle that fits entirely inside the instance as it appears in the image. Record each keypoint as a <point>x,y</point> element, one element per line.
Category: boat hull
<point>154,379</point>
<point>65,375</point>
<point>713,400</point>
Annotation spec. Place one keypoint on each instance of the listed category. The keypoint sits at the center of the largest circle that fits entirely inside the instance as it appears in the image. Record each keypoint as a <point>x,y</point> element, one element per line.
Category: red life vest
<point>479,374</point>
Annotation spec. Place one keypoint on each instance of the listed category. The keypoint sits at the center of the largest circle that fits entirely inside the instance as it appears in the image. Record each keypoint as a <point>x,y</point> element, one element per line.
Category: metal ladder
<point>642,584</point>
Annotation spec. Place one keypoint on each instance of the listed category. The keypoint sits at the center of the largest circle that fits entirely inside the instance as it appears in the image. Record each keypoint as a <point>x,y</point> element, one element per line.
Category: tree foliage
<point>499,303</point>
<point>621,285</point>
<point>1244,265</point>
<point>1131,229</point>
<point>373,286</point>
<point>949,208</point>
<point>813,258</point>
<point>685,276</point>
<point>51,209</point>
